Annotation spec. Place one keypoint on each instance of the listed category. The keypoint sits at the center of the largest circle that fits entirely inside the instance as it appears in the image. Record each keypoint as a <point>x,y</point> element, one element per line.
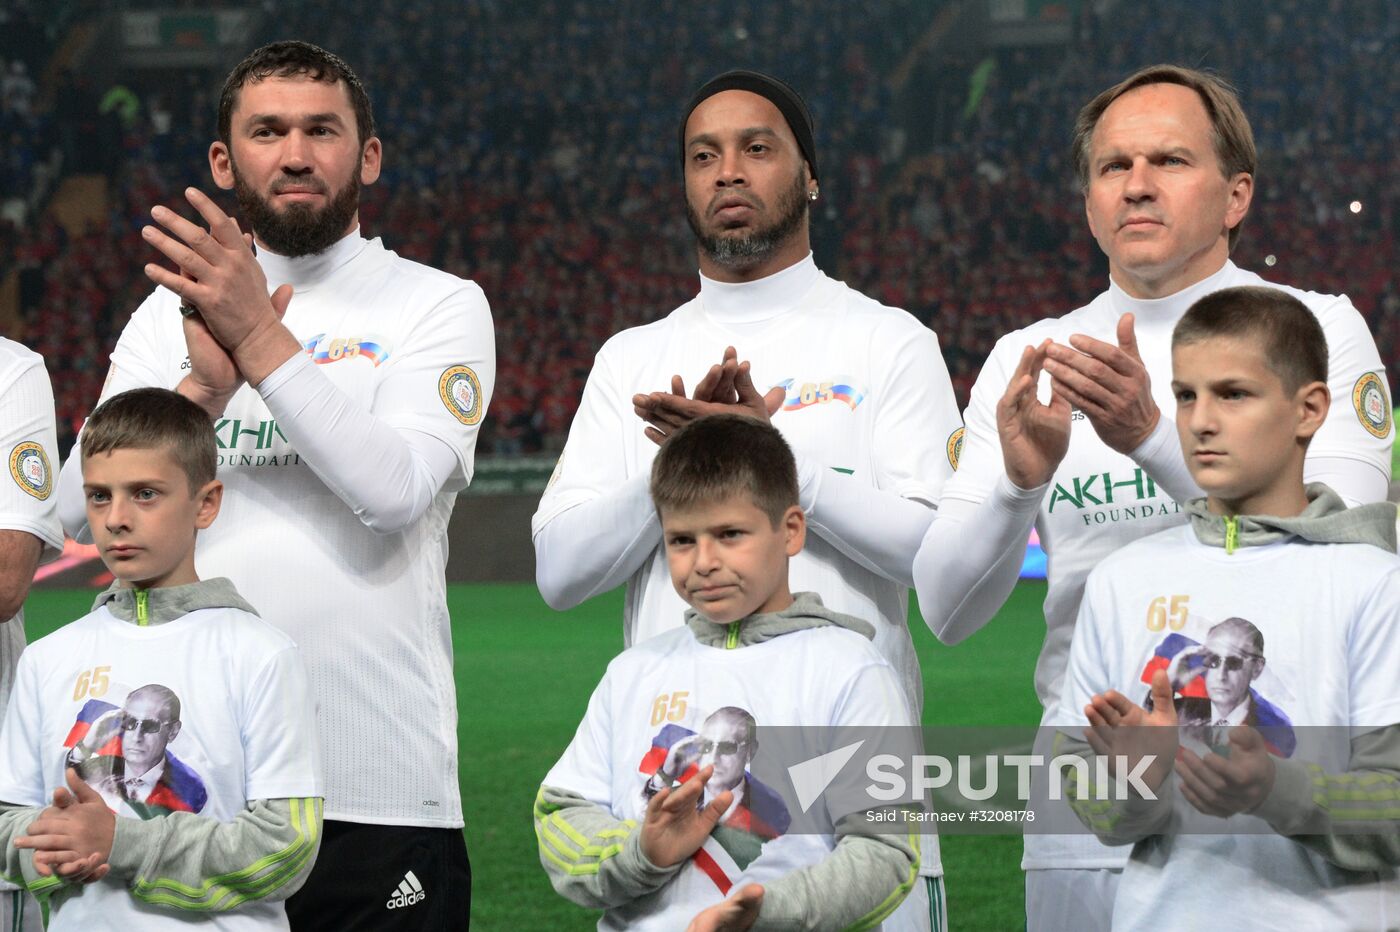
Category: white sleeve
<point>970,559</point>
<point>595,525</point>
<point>421,427</point>
<point>440,380</point>
<point>1358,425</point>
<point>879,530</point>
<point>1373,656</point>
<point>917,423</point>
<point>138,361</point>
<point>280,740</point>
<point>980,462</point>
<point>29,443</point>
<point>595,546</point>
<point>1087,673</point>
<point>72,504</point>
<point>21,760</point>
<point>1161,456</point>
<point>1356,482</point>
<point>916,427</point>
<point>585,767</point>
<point>323,422</point>
<point>870,706</point>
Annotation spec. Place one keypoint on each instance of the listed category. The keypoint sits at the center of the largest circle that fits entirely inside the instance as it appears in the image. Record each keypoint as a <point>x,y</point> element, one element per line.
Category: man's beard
<point>753,248</point>
<point>299,229</point>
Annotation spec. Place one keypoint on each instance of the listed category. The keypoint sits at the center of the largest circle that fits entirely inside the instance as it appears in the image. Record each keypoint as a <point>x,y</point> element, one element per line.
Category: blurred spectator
<point>532,156</point>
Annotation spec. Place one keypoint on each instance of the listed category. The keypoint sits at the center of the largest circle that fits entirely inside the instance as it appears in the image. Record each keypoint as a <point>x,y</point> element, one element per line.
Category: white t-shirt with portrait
<point>1329,617</point>
<point>661,692</point>
<point>247,731</point>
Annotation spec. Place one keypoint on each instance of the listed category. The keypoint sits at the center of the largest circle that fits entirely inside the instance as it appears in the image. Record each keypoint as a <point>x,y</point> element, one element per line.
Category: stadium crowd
<point>532,150</point>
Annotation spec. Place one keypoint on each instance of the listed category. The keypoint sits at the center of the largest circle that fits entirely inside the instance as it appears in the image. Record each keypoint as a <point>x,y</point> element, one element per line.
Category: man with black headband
<point>346,406</point>
<point>859,390</point>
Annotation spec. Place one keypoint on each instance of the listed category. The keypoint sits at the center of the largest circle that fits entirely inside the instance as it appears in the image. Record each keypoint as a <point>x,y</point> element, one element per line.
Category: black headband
<point>789,103</point>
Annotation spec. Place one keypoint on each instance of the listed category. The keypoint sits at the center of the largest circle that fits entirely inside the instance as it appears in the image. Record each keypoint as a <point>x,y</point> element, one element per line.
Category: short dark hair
<point>170,703</point>
<point>1295,348</point>
<point>1234,140</point>
<point>1245,629</point>
<point>156,418</point>
<point>716,457</point>
<point>287,59</point>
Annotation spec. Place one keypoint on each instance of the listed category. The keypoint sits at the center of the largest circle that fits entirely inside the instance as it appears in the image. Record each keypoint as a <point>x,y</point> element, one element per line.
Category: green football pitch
<point>524,674</point>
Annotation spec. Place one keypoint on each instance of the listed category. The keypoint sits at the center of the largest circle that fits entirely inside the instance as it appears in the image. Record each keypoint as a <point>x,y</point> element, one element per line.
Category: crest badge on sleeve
<point>1372,406</point>
<point>955,444</point>
<point>460,391</point>
<point>29,466</point>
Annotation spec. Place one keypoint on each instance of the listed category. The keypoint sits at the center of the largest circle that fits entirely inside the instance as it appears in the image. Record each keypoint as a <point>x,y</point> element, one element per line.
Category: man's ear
<point>371,160</point>
<point>794,530</point>
<point>211,498</point>
<point>221,165</point>
<point>1241,194</point>
<point>1312,401</point>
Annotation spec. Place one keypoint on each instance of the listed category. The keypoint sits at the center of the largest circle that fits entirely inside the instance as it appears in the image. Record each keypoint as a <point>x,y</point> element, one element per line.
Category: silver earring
<point>811,195</point>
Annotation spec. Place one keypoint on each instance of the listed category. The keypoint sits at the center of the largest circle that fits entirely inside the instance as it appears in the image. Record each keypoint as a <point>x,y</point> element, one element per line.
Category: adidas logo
<point>409,893</point>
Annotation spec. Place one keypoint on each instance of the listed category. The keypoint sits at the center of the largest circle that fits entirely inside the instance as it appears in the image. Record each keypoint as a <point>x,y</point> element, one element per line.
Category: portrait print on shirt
<point>123,752</point>
<point>728,739</point>
<point>1219,682</point>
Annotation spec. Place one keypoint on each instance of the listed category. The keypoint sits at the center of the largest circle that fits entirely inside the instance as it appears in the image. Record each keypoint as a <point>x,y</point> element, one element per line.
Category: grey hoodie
<point>1326,520</point>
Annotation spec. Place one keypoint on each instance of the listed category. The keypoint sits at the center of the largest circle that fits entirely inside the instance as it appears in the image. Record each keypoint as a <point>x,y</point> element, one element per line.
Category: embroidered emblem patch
<point>29,466</point>
<point>799,395</point>
<point>460,391</point>
<point>1372,406</point>
<point>558,470</point>
<point>955,441</point>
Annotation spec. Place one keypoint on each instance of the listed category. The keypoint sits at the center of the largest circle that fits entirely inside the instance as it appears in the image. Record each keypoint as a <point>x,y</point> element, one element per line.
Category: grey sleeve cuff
<point>1355,829</point>
<point>1115,821</point>
<point>1289,804</point>
<point>859,884</point>
<point>186,862</point>
<point>17,864</point>
<point>593,859</point>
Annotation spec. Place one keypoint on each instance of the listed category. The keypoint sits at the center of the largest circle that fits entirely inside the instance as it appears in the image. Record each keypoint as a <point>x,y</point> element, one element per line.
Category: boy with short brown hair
<point>171,727</point>
<point>1275,608</point>
<point>653,813</point>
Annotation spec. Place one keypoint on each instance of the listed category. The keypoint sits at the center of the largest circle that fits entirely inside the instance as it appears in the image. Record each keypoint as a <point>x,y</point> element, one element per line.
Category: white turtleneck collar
<point>1167,310</point>
<point>766,298</point>
<point>305,272</point>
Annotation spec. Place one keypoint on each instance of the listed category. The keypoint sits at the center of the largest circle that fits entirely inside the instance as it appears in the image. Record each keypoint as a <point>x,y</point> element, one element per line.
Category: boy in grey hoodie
<point>171,728</point>
<point>1275,610</point>
<point>653,813</point>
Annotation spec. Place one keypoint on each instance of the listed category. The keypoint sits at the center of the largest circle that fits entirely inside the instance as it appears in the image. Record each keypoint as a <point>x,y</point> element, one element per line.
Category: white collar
<point>139,788</point>
<point>304,272</point>
<point>765,298</point>
<point>1167,310</point>
<point>1236,717</point>
<point>741,794</point>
